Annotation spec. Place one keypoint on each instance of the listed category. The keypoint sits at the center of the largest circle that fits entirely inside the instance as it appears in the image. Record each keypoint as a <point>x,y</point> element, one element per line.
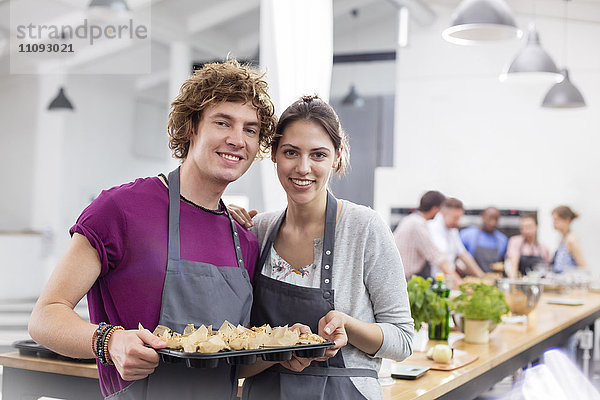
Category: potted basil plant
<point>481,305</point>
<point>426,306</point>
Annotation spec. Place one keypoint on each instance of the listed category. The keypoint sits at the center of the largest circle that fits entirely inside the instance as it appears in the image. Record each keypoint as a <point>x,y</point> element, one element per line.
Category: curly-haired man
<point>164,250</point>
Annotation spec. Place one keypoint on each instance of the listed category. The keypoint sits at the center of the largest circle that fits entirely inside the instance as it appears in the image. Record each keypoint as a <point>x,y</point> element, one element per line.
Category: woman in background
<point>327,263</point>
<point>569,253</point>
<point>524,251</point>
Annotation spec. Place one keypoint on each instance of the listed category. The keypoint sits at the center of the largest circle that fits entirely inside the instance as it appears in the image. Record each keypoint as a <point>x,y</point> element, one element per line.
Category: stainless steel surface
<point>521,296</point>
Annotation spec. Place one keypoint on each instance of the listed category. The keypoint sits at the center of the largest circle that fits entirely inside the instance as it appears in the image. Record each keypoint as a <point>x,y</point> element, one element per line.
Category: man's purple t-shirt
<point>128,227</point>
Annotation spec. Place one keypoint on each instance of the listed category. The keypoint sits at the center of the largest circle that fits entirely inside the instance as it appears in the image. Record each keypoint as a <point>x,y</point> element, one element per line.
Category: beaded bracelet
<point>106,360</point>
<point>95,337</point>
<point>100,343</point>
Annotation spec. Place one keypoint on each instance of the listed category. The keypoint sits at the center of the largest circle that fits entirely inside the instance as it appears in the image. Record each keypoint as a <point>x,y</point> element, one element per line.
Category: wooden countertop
<point>14,360</point>
<point>506,341</point>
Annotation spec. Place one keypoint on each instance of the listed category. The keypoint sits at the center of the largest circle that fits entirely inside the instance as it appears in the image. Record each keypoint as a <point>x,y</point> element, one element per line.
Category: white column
<point>47,172</point>
<point>180,69</point>
<point>296,51</point>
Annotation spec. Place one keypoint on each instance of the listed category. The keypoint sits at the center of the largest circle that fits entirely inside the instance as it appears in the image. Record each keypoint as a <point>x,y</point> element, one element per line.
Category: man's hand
<point>332,327</point>
<point>132,359</point>
<point>242,216</point>
<point>297,364</point>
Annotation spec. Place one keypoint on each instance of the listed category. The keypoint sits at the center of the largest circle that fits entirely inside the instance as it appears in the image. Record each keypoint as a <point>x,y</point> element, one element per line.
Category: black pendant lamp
<point>353,98</point>
<point>60,102</point>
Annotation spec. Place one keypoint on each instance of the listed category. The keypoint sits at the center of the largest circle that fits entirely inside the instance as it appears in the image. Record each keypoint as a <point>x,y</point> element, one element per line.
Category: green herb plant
<point>481,301</point>
<point>426,305</point>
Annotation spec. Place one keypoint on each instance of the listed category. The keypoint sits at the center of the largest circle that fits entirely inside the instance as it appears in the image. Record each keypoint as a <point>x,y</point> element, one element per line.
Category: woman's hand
<point>132,359</point>
<point>242,216</point>
<point>333,328</point>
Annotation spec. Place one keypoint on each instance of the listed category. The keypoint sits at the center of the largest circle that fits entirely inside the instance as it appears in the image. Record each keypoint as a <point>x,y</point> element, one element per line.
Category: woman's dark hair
<point>565,212</point>
<point>312,108</point>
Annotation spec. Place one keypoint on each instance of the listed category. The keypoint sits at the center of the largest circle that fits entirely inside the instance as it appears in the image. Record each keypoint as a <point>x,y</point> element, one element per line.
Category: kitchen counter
<point>25,377</point>
<point>511,346</point>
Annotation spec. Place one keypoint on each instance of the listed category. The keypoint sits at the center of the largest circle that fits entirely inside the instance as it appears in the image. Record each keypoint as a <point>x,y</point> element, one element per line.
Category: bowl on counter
<point>522,296</point>
<point>459,322</point>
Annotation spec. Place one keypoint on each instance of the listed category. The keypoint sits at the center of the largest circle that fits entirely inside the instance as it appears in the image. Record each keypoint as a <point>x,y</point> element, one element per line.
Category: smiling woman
<point>317,268</point>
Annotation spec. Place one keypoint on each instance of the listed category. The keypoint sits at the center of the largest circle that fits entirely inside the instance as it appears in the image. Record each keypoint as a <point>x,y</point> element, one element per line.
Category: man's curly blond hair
<point>214,84</point>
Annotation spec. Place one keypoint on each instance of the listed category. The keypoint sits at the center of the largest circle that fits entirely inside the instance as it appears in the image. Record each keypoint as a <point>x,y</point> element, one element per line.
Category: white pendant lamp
<point>480,22</point>
<point>532,64</point>
<point>564,94</point>
<point>102,11</point>
<point>116,5</point>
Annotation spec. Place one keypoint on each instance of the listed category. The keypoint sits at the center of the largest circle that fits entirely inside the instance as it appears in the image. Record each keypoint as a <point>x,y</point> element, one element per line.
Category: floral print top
<point>281,270</point>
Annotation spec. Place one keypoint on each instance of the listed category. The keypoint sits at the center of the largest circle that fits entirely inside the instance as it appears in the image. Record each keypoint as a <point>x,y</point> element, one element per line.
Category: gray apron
<point>485,256</point>
<point>198,293</point>
<point>526,263</point>
<point>280,303</point>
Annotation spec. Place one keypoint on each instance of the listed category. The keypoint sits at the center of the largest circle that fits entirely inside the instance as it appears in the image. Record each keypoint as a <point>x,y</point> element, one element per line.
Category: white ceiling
<point>216,29</point>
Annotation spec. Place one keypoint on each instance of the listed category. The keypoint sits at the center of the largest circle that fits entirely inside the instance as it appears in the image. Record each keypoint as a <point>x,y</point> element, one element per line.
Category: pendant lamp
<point>532,64</point>
<point>480,22</point>
<point>353,98</point>
<point>563,94</point>
<point>60,102</point>
<point>116,5</point>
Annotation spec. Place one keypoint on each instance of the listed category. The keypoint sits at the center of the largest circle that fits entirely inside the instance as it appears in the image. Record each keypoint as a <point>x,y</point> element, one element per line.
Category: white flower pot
<point>477,331</point>
<point>420,339</point>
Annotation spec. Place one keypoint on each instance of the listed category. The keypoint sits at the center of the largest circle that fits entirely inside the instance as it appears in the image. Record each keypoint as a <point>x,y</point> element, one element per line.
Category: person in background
<point>486,244</point>
<point>444,232</point>
<point>133,244</point>
<point>569,253</point>
<point>327,263</point>
<point>414,241</point>
<point>524,251</point>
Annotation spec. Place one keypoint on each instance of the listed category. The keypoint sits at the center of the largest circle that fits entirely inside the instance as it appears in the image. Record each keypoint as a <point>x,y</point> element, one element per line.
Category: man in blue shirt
<point>486,244</point>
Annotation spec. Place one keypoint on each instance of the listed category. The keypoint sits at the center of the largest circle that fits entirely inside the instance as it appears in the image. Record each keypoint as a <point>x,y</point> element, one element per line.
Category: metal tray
<point>32,349</point>
<point>237,357</point>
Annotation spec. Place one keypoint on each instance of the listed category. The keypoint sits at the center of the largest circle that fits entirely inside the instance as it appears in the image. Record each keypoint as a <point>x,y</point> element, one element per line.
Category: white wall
<point>97,152</point>
<point>461,131</point>
<point>16,150</point>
